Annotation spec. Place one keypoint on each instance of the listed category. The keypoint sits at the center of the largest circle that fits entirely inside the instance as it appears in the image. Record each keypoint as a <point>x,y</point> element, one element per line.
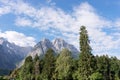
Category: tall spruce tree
<point>87,62</point>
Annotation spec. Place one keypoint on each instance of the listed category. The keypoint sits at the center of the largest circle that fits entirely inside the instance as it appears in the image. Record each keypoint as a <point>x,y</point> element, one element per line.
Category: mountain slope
<point>60,44</point>
<point>57,45</point>
<point>41,47</point>
<point>11,54</point>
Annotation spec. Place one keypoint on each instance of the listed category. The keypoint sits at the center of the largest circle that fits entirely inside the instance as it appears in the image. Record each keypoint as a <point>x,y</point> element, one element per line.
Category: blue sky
<point>26,22</point>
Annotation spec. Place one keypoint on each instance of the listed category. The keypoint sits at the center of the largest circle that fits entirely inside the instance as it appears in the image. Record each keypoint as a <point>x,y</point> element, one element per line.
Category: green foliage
<point>28,59</point>
<point>114,68</point>
<point>1,78</point>
<point>96,76</point>
<point>104,66</point>
<point>108,67</point>
<point>87,62</point>
<point>25,72</point>
<point>36,58</point>
<point>74,69</point>
<point>64,65</point>
<point>27,68</point>
<point>49,64</point>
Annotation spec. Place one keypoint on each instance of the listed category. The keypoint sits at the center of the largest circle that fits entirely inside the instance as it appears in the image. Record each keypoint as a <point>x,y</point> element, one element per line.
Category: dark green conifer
<point>87,62</point>
<point>49,65</point>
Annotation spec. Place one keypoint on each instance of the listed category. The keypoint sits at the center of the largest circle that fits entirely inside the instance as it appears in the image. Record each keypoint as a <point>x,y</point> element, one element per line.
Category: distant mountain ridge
<point>57,45</point>
<point>11,54</point>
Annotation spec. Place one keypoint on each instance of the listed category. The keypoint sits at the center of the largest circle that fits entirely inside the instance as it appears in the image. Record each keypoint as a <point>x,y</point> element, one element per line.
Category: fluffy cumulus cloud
<point>18,38</point>
<point>57,21</point>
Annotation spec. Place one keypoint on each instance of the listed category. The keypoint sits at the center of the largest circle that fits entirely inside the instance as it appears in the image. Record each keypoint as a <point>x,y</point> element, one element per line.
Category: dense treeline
<point>64,67</point>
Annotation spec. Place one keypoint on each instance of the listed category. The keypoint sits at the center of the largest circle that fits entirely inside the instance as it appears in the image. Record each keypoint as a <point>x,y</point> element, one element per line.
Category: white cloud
<point>86,15</point>
<point>4,10</point>
<point>117,24</point>
<point>23,8</point>
<point>67,24</point>
<point>18,38</point>
<point>23,22</point>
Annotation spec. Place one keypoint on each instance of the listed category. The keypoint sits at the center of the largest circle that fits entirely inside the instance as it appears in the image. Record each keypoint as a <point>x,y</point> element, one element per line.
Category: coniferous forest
<point>64,67</point>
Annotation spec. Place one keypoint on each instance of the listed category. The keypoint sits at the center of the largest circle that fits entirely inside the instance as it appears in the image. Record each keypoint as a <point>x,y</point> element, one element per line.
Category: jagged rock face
<point>57,45</point>
<point>41,47</point>
<point>11,54</point>
<point>60,44</point>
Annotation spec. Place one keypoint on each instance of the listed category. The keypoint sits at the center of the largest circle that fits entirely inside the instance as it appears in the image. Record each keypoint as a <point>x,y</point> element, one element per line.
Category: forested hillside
<point>64,67</point>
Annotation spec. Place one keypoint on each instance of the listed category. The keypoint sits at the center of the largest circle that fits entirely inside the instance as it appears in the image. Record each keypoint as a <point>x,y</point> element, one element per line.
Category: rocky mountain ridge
<point>57,45</point>
<point>11,55</point>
